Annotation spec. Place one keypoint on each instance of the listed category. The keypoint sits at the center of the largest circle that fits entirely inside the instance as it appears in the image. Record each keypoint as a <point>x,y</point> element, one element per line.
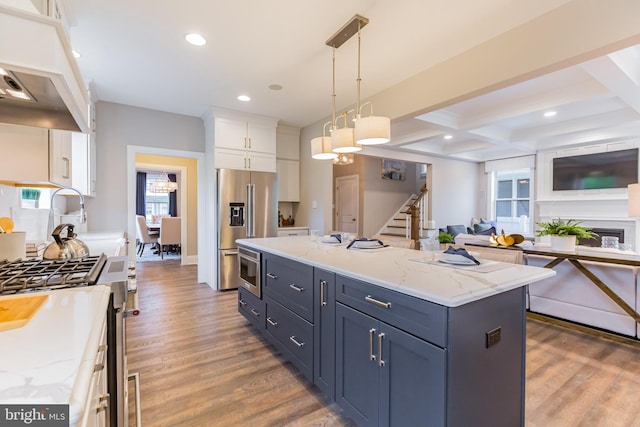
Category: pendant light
<point>163,185</point>
<point>370,130</point>
<point>342,140</point>
<point>321,146</point>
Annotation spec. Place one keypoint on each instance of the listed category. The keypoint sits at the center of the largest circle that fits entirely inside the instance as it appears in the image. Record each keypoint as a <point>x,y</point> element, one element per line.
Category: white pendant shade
<point>634,200</point>
<point>373,130</point>
<point>342,141</point>
<point>321,148</point>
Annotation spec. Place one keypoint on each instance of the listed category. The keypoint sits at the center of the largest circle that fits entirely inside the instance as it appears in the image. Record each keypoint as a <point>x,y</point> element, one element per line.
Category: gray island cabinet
<point>436,346</point>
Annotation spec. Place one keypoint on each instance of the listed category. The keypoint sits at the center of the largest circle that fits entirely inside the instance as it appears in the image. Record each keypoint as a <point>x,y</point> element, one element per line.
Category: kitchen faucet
<point>83,215</point>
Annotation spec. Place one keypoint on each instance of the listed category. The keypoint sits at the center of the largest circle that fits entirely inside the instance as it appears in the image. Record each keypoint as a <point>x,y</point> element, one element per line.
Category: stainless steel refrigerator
<point>247,208</point>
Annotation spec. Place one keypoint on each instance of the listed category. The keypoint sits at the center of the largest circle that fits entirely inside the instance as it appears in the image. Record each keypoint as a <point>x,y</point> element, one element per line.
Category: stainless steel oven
<point>249,265</point>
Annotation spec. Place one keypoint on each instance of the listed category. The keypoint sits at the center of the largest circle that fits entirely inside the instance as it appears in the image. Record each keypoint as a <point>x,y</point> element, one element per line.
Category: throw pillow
<point>487,232</point>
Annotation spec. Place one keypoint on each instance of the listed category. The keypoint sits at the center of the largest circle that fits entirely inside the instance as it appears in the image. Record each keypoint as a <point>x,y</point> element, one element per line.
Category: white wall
<point>119,126</point>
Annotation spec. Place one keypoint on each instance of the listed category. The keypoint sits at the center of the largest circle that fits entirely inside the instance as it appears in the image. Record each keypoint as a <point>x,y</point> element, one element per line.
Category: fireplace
<point>614,232</point>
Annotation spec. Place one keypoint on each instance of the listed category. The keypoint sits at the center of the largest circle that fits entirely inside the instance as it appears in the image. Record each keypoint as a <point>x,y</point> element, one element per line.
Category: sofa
<point>485,228</point>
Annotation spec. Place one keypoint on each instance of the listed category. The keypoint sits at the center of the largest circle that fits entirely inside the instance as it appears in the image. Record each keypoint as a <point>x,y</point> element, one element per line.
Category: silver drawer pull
<point>242,303</point>
<point>372,332</point>
<point>255,313</point>
<point>296,342</point>
<point>296,288</point>
<point>380,361</point>
<point>323,284</point>
<point>271,322</point>
<point>271,276</point>
<point>372,300</point>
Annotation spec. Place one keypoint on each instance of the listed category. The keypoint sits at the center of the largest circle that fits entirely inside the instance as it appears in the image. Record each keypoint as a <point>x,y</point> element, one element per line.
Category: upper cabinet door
<point>231,134</point>
<point>25,154</point>
<point>262,138</point>
<point>60,149</point>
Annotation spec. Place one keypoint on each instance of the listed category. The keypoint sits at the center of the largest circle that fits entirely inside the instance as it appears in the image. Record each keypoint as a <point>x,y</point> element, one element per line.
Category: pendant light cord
<point>333,96</point>
<point>358,79</point>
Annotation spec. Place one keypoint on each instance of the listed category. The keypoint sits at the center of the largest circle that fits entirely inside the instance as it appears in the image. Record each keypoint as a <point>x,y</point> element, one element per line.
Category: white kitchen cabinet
<point>288,164</point>
<point>288,180</point>
<point>243,141</point>
<point>288,143</point>
<point>96,406</point>
<point>83,173</point>
<point>226,158</point>
<point>60,150</point>
<point>36,155</point>
<point>243,135</point>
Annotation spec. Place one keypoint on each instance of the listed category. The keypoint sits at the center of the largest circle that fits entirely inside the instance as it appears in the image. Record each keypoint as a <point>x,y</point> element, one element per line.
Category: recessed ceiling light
<point>244,98</point>
<point>76,54</point>
<point>275,87</point>
<point>196,39</point>
<point>550,113</point>
<point>448,137</point>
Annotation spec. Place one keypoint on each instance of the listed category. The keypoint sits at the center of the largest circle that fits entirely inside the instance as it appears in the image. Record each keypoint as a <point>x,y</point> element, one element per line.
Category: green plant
<point>562,228</point>
<point>444,237</point>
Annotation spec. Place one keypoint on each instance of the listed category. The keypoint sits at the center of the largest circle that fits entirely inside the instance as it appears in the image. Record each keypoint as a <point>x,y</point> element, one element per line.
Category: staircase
<point>397,230</point>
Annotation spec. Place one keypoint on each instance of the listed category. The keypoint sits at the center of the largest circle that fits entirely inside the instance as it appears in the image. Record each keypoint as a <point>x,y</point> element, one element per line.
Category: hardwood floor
<point>200,364</point>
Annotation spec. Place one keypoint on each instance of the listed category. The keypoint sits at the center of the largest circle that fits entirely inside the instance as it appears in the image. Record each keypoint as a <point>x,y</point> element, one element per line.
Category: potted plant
<point>444,239</point>
<point>564,234</point>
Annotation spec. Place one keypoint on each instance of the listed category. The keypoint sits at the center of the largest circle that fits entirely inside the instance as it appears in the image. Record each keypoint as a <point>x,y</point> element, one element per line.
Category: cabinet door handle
<point>245,162</point>
<point>295,341</point>
<point>271,276</point>
<point>372,300</point>
<point>100,365</point>
<point>380,361</point>
<point>67,168</point>
<point>255,313</point>
<point>272,323</point>
<point>372,332</point>
<point>103,402</point>
<point>242,303</point>
<point>249,162</point>
<point>296,288</point>
<point>245,142</point>
<point>323,284</point>
<point>249,139</point>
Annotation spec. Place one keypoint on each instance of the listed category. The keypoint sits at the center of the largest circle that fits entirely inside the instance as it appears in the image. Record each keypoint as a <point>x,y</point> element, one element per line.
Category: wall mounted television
<point>612,169</point>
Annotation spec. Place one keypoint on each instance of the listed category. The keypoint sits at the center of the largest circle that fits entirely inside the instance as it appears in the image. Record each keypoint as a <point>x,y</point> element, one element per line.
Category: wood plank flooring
<point>200,364</point>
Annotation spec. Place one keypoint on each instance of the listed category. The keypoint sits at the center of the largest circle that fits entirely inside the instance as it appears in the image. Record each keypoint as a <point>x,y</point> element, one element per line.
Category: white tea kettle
<point>65,247</point>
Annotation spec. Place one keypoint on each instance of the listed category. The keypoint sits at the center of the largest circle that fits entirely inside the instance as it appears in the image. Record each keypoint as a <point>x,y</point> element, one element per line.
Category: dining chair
<point>144,237</point>
<point>169,233</point>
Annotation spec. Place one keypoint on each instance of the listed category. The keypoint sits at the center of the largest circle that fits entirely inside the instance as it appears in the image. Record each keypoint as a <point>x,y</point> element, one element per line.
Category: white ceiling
<point>133,52</point>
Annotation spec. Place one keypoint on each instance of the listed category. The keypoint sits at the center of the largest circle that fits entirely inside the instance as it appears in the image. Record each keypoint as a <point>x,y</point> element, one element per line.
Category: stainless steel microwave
<point>250,270</point>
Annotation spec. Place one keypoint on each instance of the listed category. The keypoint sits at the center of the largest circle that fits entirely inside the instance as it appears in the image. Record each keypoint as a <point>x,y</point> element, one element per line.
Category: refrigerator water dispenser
<point>236,214</point>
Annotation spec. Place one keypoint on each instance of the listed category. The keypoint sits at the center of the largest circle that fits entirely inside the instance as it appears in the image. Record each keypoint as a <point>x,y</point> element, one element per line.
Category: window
<point>512,202</point>
<point>157,204</point>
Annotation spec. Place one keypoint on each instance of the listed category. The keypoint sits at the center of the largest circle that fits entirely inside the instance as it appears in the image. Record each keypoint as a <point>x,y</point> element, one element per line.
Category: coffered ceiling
<point>133,52</point>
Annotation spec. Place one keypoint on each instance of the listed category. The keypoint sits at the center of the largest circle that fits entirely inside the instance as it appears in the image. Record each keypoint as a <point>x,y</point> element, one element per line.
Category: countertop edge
<point>534,274</point>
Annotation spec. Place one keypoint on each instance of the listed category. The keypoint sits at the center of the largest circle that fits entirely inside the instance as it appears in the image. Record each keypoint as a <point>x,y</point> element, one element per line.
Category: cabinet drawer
<point>290,283</point>
<point>421,318</point>
<point>293,336</point>
<point>251,307</point>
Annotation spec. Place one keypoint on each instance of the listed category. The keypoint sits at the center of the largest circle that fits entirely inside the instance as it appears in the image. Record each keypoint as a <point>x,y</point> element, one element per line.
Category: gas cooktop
<point>36,275</point>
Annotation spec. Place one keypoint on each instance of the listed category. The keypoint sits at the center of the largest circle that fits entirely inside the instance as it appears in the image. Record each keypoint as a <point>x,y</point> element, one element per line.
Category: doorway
<point>347,204</point>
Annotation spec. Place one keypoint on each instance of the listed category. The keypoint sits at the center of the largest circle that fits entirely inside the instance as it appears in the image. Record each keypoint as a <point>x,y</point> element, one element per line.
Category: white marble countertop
<point>402,270</point>
<point>109,243</point>
<point>50,360</point>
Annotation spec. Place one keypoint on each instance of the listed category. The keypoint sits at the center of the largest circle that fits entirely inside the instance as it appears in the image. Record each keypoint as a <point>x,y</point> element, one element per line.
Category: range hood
<point>40,82</point>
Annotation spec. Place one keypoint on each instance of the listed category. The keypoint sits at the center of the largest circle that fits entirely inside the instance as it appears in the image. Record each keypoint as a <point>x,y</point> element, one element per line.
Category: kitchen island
<point>392,338</point>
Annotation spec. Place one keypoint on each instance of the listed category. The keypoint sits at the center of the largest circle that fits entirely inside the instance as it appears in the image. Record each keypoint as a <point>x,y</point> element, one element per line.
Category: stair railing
<point>417,213</point>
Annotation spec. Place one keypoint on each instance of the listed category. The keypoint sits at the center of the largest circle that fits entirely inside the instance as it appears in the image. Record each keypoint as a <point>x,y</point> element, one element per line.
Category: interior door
<point>347,204</point>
